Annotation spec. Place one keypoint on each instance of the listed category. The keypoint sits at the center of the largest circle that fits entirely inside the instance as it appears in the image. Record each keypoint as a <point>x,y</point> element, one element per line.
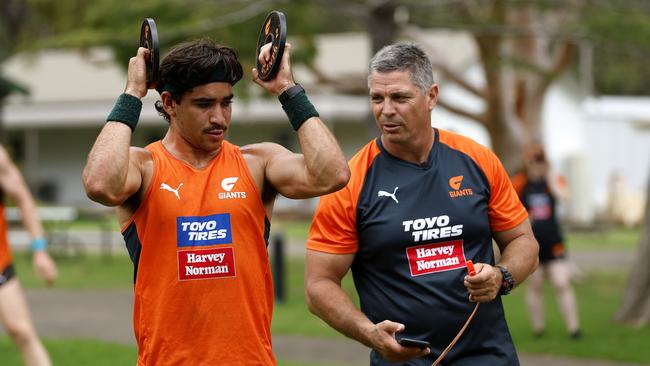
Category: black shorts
<point>7,273</point>
<point>549,252</point>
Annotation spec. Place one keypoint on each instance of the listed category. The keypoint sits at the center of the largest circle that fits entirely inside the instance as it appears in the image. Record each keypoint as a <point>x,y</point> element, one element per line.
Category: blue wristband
<point>39,244</point>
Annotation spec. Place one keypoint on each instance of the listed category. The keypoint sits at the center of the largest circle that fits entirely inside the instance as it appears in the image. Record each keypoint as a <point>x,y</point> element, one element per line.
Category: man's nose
<point>218,115</point>
<point>387,107</point>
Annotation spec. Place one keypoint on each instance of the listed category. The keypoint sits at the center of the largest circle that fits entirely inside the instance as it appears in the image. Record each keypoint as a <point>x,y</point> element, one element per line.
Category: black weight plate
<point>274,30</point>
<point>149,40</point>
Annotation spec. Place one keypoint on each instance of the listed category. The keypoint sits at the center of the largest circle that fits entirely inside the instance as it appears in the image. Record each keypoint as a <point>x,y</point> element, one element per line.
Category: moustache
<point>215,128</point>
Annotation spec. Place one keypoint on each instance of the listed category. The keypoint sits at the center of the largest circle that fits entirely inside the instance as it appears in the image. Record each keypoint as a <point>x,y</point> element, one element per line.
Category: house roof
<point>619,108</point>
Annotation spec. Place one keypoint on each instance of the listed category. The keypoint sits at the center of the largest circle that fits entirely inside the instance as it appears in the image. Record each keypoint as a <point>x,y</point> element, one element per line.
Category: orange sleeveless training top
<point>5,253</point>
<point>198,241</point>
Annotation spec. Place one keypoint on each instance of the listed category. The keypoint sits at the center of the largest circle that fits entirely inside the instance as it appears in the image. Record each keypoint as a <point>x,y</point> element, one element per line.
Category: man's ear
<point>168,103</point>
<point>433,96</point>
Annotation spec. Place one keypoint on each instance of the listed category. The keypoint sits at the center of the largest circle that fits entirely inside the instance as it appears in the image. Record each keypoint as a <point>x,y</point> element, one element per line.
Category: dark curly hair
<point>194,63</point>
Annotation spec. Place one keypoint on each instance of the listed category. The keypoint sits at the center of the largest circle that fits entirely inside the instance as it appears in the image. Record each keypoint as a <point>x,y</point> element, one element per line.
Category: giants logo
<point>203,230</point>
<point>455,183</point>
<point>437,257</point>
<point>227,185</point>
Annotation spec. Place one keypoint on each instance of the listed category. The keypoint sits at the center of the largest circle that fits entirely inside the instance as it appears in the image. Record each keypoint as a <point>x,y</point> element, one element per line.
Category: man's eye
<point>204,105</point>
<point>226,103</point>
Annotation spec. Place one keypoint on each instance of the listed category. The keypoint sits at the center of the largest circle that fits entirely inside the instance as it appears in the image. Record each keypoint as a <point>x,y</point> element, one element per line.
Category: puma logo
<point>166,187</point>
<point>386,194</point>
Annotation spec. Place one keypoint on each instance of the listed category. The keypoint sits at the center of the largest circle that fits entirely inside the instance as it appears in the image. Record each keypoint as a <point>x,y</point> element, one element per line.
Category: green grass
<point>82,271</point>
<point>295,229</point>
<point>108,223</point>
<point>615,238</point>
<point>598,299</point>
<point>292,316</point>
<point>74,352</point>
<point>91,353</point>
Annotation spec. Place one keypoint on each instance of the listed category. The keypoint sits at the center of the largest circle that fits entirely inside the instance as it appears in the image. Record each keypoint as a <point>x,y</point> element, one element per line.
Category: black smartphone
<point>408,342</point>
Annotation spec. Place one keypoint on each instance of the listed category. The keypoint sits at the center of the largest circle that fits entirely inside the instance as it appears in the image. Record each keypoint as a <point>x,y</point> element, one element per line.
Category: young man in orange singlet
<point>14,313</point>
<point>195,209</point>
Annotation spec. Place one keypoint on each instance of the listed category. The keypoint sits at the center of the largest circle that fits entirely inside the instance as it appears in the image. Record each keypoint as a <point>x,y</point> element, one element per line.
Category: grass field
<point>89,353</point>
<point>598,296</point>
<point>615,238</point>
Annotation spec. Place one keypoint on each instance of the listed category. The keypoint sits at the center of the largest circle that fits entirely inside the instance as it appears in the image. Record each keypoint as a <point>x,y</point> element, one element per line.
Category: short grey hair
<point>400,57</point>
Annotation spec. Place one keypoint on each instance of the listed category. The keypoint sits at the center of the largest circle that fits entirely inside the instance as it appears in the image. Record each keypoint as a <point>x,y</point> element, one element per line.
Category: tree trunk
<point>635,309</point>
<point>500,120</point>
<point>382,27</point>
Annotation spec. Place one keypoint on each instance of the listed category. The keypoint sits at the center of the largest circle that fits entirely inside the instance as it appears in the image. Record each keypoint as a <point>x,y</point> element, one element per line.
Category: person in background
<point>14,312</point>
<point>540,192</point>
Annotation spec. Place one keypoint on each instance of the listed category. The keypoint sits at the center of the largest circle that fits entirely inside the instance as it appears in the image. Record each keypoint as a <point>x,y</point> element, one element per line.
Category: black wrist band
<point>508,281</point>
<point>290,93</point>
<point>297,106</point>
<point>126,110</point>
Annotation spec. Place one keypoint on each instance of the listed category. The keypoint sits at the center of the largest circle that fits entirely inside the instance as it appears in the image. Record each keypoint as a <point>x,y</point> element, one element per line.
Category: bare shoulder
<point>262,150</point>
<point>257,158</point>
<point>260,153</point>
<point>140,154</point>
<point>141,157</point>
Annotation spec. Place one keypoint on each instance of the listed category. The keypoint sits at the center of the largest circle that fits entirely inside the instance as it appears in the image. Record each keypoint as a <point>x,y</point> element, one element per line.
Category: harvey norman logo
<point>437,257</point>
<point>455,183</point>
<point>206,263</point>
<point>227,184</point>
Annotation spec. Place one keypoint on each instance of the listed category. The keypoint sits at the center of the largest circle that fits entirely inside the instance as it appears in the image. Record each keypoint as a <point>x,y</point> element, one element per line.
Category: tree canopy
<point>618,31</point>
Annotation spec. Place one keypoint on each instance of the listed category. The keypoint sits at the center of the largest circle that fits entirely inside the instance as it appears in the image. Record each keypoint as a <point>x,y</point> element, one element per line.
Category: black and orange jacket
<point>411,228</point>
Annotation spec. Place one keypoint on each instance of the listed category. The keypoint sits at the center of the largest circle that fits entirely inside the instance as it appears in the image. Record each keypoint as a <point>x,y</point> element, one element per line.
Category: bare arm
<point>321,168</point>
<point>14,186</point>
<point>519,254</point>
<point>113,171</point>
<point>327,300</point>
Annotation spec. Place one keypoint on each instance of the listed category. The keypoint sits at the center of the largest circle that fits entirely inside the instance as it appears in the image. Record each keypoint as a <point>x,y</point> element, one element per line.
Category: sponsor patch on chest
<point>206,263</point>
<point>203,230</point>
<point>436,257</point>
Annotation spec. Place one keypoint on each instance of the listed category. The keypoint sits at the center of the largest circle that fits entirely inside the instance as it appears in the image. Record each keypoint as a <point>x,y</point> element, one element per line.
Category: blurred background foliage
<point>618,30</point>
